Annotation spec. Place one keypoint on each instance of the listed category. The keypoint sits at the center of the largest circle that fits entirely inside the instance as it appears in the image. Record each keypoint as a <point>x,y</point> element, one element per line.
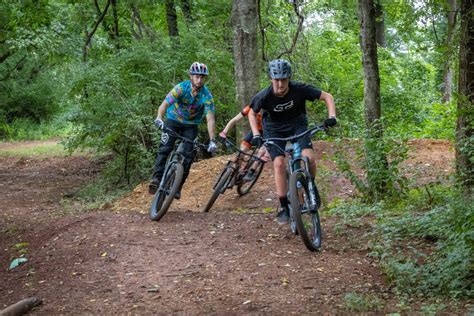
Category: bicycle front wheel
<point>306,218</point>
<point>166,192</point>
<point>244,186</point>
<point>220,187</point>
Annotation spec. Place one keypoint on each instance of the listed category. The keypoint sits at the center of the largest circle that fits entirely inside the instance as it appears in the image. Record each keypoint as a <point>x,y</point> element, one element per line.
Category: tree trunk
<point>244,20</point>
<point>136,20</point>
<point>116,19</point>
<point>115,35</point>
<point>88,36</point>
<point>186,7</point>
<point>465,110</point>
<point>380,25</point>
<point>446,89</point>
<point>171,18</point>
<point>376,158</point>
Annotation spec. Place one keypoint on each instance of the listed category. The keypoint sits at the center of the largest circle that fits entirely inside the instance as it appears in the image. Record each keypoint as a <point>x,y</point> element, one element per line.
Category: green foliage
<point>97,193</point>
<point>438,216</point>
<point>384,173</point>
<point>118,99</point>
<point>49,149</point>
<point>112,98</point>
<point>353,214</point>
<point>29,95</point>
<point>438,122</point>
<point>362,303</point>
<point>31,82</point>
<point>21,247</point>
<point>26,129</point>
<point>424,241</point>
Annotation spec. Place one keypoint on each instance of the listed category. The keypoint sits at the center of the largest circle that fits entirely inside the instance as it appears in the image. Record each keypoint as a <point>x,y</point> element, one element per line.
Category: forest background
<point>94,73</point>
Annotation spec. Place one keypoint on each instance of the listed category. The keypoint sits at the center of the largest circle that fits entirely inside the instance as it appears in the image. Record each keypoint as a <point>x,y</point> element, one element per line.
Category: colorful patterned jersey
<point>186,108</point>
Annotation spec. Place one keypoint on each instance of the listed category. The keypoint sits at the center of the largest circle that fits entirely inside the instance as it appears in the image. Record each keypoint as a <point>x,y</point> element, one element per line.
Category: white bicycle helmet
<point>198,69</point>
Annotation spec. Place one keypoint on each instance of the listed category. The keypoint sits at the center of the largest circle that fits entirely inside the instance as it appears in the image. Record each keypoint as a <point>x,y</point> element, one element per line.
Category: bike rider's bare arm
<point>253,122</point>
<point>211,125</point>
<point>329,100</point>
<point>232,123</point>
<point>162,109</point>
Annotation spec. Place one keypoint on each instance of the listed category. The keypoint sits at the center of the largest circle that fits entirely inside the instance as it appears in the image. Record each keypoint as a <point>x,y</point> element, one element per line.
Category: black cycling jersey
<point>292,105</point>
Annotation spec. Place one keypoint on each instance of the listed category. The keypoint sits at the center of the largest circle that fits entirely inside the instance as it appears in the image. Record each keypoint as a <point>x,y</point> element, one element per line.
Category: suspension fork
<point>302,164</point>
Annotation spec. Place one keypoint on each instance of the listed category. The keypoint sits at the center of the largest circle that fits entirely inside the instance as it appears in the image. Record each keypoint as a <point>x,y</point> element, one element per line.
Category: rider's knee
<point>279,163</point>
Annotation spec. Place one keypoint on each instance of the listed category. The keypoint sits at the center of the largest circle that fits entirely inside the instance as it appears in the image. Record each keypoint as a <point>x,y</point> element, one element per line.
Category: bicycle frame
<point>296,163</point>
<point>235,164</point>
<point>296,157</point>
<point>177,155</point>
<point>302,191</point>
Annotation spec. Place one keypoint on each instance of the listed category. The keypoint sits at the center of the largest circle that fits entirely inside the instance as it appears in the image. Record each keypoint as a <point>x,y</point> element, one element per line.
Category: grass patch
<point>41,149</point>
<point>362,303</point>
<point>50,148</point>
<point>21,247</point>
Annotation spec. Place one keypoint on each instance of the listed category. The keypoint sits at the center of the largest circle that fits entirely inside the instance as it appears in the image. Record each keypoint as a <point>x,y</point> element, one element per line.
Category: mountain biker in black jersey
<point>284,106</point>
<point>185,105</point>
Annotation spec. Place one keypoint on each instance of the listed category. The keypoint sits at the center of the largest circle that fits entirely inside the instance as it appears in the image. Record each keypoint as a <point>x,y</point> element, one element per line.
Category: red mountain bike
<point>243,171</point>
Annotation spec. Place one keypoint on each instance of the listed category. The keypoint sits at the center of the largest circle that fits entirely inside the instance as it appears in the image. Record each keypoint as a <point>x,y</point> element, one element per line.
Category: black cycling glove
<point>330,122</point>
<point>257,140</point>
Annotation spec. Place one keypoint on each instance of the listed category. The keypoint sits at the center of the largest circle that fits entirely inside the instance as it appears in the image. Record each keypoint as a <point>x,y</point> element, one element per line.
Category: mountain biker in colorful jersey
<point>185,105</point>
<point>246,144</point>
<point>284,105</point>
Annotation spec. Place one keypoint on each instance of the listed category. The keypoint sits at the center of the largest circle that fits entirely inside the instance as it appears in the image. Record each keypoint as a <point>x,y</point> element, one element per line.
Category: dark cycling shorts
<point>287,131</point>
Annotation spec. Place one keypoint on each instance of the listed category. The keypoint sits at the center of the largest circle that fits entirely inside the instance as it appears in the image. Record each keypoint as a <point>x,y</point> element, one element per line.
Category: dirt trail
<point>234,259</point>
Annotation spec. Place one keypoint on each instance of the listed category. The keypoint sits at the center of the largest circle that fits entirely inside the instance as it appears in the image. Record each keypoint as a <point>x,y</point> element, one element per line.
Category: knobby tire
<point>165,195</point>
<point>307,222</point>
<point>243,186</point>
<point>219,188</point>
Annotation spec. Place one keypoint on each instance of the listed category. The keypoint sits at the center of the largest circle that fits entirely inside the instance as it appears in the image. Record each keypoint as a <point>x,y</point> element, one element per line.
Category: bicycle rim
<point>219,188</point>
<point>293,227</point>
<point>165,194</point>
<point>307,220</point>
<point>243,186</point>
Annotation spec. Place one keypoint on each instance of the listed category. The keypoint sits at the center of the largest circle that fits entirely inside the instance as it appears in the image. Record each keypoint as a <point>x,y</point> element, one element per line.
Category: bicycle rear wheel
<point>244,187</point>
<point>306,219</point>
<point>220,187</point>
<point>165,193</point>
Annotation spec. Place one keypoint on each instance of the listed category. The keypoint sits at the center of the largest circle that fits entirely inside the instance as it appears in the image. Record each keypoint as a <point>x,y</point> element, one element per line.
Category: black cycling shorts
<point>287,130</point>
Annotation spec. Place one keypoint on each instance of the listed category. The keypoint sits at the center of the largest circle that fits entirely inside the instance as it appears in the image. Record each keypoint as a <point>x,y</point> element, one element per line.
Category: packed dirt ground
<point>235,259</point>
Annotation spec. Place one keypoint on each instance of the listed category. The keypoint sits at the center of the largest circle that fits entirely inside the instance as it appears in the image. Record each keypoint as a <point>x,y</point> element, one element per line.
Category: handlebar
<point>227,143</point>
<point>184,139</point>
<point>313,130</point>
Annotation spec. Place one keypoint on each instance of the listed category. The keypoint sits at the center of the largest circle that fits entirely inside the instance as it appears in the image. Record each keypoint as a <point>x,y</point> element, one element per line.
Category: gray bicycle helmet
<point>279,69</point>
<point>198,69</point>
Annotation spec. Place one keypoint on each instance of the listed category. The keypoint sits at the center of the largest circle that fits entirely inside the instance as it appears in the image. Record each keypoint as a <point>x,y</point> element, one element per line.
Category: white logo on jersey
<point>284,106</point>
<point>165,138</point>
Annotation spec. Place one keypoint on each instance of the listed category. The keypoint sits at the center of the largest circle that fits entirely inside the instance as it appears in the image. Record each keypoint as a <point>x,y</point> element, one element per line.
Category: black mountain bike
<point>236,172</point>
<point>172,177</point>
<point>302,191</point>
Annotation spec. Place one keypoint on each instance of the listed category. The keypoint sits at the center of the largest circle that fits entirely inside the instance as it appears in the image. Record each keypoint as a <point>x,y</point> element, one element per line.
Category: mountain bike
<point>302,193</point>
<point>172,176</point>
<point>243,171</point>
